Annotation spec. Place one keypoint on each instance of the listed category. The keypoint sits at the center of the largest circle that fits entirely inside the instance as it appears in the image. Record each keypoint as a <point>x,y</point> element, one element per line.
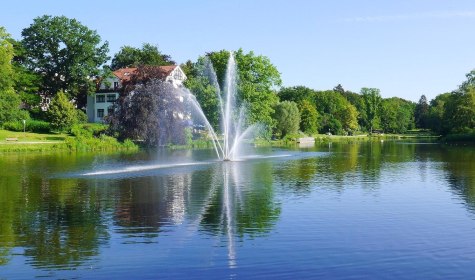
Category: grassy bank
<point>324,138</point>
<point>82,140</point>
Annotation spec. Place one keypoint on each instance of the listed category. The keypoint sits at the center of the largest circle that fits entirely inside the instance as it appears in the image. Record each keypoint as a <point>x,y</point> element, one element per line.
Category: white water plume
<point>233,118</point>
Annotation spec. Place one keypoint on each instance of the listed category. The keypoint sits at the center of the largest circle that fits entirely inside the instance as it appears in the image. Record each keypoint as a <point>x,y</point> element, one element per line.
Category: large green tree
<point>397,115</point>
<point>304,97</point>
<point>288,118</point>
<point>372,100</point>
<point>469,82</point>
<point>339,116</point>
<point>9,99</point>
<point>459,113</point>
<point>356,100</point>
<point>6,56</point>
<point>132,57</point>
<point>297,94</point>
<point>436,121</point>
<point>66,54</point>
<point>257,80</point>
<point>26,82</point>
<point>308,117</point>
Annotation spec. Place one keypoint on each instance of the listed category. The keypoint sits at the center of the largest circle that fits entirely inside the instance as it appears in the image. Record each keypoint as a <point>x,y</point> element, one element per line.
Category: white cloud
<point>415,16</point>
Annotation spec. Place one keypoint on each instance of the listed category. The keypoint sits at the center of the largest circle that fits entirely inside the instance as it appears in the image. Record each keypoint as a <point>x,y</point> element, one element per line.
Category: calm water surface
<point>390,210</point>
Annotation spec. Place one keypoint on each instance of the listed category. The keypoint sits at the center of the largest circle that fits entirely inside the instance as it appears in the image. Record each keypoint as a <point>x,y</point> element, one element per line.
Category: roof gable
<point>125,74</point>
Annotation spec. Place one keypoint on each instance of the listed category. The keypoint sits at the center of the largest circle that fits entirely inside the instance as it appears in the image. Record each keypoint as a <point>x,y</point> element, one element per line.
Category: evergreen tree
<point>421,113</point>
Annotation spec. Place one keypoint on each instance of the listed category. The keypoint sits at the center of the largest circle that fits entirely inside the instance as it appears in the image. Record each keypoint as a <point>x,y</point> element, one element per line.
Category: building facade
<point>101,104</point>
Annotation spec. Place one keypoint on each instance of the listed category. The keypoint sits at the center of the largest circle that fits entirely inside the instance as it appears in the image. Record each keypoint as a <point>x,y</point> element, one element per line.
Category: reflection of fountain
<point>226,176</point>
<point>233,119</point>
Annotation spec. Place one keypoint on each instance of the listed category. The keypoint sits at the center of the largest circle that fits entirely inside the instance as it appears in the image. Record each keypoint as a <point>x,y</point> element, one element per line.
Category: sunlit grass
<point>30,136</point>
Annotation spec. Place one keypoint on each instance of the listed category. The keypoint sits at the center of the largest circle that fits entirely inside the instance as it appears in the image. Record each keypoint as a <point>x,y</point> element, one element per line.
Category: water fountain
<point>233,118</point>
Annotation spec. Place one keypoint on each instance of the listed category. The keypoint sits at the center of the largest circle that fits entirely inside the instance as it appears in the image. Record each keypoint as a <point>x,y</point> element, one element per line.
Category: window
<point>110,111</point>
<point>111,98</point>
<point>100,113</point>
<point>100,98</point>
<point>178,75</point>
<point>116,85</point>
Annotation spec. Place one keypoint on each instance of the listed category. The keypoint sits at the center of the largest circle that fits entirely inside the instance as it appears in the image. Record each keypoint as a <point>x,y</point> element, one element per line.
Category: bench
<point>11,139</point>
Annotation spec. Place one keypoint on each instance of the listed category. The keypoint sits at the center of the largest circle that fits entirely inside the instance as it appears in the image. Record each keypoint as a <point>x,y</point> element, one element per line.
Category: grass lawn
<point>30,137</point>
<point>31,141</point>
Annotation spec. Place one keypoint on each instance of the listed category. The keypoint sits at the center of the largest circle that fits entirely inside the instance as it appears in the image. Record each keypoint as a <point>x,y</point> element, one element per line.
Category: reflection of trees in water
<point>346,164</point>
<point>298,174</point>
<point>9,194</point>
<point>58,222</point>
<point>239,201</point>
<point>147,203</point>
<point>241,195</point>
<point>61,224</point>
<point>459,162</point>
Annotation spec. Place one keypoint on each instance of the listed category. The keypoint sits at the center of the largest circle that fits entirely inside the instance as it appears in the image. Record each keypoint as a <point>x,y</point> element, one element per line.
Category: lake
<point>392,209</point>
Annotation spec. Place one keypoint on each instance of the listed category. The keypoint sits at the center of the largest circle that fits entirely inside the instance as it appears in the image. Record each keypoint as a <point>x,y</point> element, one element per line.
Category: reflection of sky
<point>407,219</point>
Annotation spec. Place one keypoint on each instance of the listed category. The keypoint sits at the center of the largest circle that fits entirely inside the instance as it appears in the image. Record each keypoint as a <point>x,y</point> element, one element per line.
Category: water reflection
<point>459,163</point>
<point>53,222</point>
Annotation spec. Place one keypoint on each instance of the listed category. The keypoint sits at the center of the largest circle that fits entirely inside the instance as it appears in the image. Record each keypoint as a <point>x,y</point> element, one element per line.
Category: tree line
<point>62,60</point>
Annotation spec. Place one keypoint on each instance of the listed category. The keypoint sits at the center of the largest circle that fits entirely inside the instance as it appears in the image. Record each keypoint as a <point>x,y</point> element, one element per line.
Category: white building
<point>101,103</point>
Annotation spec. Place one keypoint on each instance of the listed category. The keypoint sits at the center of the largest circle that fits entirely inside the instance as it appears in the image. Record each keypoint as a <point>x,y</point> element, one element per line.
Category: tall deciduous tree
<point>132,57</point>
<point>308,117</point>
<point>9,100</point>
<point>202,83</point>
<point>397,115</point>
<point>6,56</point>
<point>26,81</point>
<point>288,118</point>
<point>348,117</point>
<point>357,100</point>
<point>469,82</point>
<point>257,81</point>
<point>338,115</point>
<point>372,100</point>
<point>66,54</point>
<point>436,120</point>
<point>459,113</point>
<point>296,94</point>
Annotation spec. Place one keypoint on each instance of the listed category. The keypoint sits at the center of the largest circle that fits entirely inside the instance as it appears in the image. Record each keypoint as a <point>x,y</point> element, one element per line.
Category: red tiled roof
<point>166,70</point>
<point>124,74</point>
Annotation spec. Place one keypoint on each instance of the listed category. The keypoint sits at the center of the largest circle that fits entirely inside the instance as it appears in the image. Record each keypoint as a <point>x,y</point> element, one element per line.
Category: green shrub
<point>30,126</point>
<point>81,117</point>
<point>13,126</point>
<point>88,129</point>
<point>38,126</point>
<point>92,137</point>
<point>61,112</point>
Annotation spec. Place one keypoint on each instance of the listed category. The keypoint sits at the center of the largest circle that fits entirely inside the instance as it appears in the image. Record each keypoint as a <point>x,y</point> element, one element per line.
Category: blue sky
<point>405,48</point>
